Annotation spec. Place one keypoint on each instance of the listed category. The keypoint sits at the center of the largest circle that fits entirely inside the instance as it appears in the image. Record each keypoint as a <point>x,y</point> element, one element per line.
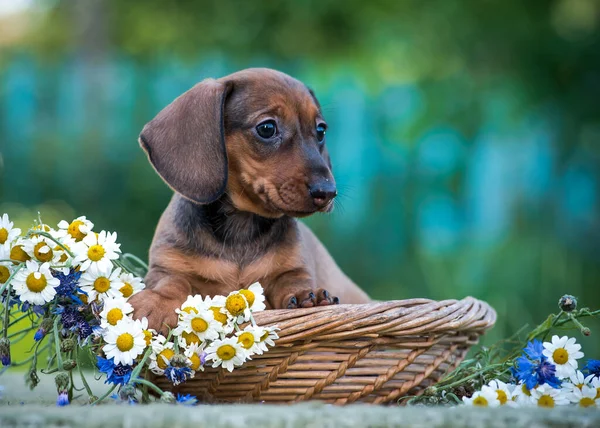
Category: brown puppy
<point>245,154</point>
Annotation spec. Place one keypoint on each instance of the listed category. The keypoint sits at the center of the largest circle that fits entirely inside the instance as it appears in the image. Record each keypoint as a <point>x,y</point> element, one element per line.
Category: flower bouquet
<point>71,286</point>
<point>543,373</point>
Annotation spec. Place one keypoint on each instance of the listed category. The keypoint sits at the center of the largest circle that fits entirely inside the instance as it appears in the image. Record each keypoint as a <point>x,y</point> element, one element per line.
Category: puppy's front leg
<point>159,301</point>
<point>297,289</point>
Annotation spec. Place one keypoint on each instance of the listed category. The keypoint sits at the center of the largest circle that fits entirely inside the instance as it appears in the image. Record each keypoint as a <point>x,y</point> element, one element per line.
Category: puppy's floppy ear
<point>185,142</point>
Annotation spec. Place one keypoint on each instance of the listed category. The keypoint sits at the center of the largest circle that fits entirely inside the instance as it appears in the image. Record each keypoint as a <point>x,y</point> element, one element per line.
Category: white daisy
<point>576,381</point>
<point>148,332</point>
<point>563,352</point>
<point>546,396</point>
<point>521,395</point>
<point>40,248</point>
<point>487,397</point>
<point>267,336</point>
<point>124,341</point>
<point>162,352</point>
<point>8,233</point>
<point>97,250</point>
<point>77,229</point>
<point>194,356</point>
<point>227,353</point>
<point>17,252</point>
<point>129,284</point>
<point>594,382</point>
<point>217,306</point>
<point>502,390</point>
<point>192,304</point>
<point>255,297</point>
<point>6,268</point>
<point>197,327</point>
<point>114,310</point>
<point>99,283</point>
<point>587,396</point>
<point>35,284</point>
<point>62,257</point>
<point>236,307</point>
<point>249,338</point>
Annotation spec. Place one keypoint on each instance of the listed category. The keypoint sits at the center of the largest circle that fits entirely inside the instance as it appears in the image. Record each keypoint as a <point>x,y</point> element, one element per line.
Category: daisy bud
<point>69,365</point>
<point>167,397</point>
<point>5,351</point>
<point>32,379</point>
<point>67,345</point>
<point>586,331</point>
<point>567,303</point>
<point>62,381</point>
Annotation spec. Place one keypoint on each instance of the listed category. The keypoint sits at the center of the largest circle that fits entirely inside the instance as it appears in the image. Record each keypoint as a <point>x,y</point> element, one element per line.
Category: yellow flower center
<point>480,401</point>
<point>249,295</point>
<point>502,398</point>
<point>63,258</point>
<point>226,352</point>
<point>235,304</point>
<point>96,252</point>
<point>264,336</point>
<point>195,359</point>
<point>3,235</point>
<point>114,316</point>
<point>246,339</point>
<point>587,402</point>
<point>17,253</point>
<point>190,309</point>
<point>560,356</point>
<point>36,285</point>
<point>126,290</point>
<point>199,325</point>
<point>42,257</point>
<point>597,393</point>
<point>579,386</point>
<point>4,274</point>
<point>83,298</point>
<point>525,390</point>
<point>164,357</point>
<point>546,401</point>
<point>148,337</point>
<point>190,338</point>
<point>74,230</point>
<point>219,316</point>
<point>101,284</point>
<point>125,342</point>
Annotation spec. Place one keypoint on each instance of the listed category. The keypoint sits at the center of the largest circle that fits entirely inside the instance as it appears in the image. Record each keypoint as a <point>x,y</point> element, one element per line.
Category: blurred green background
<point>465,135</point>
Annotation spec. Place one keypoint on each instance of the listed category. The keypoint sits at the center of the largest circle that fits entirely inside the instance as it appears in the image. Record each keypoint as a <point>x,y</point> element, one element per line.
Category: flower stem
<point>85,384</point>
<point>6,312</point>
<point>105,395</point>
<point>149,384</point>
<point>140,365</point>
<point>57,343</point>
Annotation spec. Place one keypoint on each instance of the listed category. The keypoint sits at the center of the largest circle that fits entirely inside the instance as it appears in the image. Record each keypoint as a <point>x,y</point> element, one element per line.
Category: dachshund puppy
<point>245,155</point>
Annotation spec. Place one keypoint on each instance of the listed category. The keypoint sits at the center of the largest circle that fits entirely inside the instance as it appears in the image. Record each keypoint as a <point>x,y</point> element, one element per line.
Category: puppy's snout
<point>322,192</point>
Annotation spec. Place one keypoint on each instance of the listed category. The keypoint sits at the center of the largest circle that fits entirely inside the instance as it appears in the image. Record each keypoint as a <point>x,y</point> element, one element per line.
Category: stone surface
<point>20,407</point>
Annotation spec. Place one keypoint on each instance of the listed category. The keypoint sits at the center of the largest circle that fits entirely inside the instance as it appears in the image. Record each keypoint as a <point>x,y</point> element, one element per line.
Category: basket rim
<point>397,318</point>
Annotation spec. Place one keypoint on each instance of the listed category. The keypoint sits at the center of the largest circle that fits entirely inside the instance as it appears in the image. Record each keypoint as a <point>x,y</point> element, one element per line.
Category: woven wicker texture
<point>374,353</point>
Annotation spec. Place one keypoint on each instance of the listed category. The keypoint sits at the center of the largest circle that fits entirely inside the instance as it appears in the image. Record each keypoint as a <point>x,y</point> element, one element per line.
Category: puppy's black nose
<point>322,192</point>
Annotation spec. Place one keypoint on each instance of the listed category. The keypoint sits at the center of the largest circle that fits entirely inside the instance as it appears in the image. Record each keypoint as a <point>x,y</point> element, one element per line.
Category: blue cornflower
<point>84,329</point>
<point>39,334</point>
<point>70,317</point>
<point>592,368</point>
<point>39,310</point>
<point>178,375</point>
<point>187,399</point>
<point>116,374</point>
<point>534,349</point>
<point>533,369</point>
<point>68,283</point>
<point>63,399</point>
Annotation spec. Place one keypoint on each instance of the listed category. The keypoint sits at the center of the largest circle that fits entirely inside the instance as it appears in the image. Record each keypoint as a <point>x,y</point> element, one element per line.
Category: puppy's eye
<point>321,129</point>
<point>266,129</point>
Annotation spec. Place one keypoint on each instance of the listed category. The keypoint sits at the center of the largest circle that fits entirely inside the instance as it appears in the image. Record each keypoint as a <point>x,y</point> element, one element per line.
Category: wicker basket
<point>373,353</point>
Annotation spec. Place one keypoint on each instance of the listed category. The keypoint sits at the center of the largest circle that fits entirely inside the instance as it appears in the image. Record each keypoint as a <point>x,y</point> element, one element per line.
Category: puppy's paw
<point>159,310</point>
<point>302,299</point>
<point>326,299</point>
